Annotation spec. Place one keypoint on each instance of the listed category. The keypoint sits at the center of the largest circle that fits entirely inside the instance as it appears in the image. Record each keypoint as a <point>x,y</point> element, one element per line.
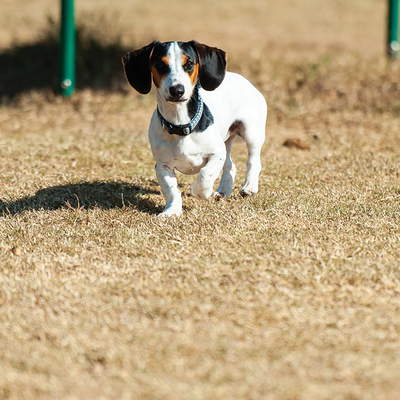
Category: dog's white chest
<point>188,157</point>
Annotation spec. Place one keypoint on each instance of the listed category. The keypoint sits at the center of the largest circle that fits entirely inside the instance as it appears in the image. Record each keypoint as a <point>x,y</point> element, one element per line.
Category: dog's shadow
<point>103,195</point>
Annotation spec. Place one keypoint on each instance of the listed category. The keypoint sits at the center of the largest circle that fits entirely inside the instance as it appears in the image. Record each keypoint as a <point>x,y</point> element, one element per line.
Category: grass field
<point>292,294</point>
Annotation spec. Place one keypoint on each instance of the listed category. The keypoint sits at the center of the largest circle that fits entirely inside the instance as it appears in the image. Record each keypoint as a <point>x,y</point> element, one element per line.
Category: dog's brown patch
<point>194,73</point>
<point>157,75</point>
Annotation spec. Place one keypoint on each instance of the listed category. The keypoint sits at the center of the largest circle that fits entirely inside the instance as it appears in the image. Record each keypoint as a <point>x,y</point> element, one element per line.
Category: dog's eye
<point>189,65</point>
<point>160,66</point>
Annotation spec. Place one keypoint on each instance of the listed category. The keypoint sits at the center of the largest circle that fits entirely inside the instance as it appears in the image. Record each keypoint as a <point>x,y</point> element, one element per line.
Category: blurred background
<point>291,294</point>
<point>258,35</point>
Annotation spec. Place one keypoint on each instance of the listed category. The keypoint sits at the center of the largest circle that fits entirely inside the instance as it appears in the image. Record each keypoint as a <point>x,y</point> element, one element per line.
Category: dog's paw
<point>247,192</point>
<point>170,212</point>
<point>218,194</point>
<point>195,192</point>
<point>250,188</point>
<point>199,192</point>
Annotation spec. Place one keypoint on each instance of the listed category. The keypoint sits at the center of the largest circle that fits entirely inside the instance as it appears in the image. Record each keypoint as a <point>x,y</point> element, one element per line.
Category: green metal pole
<point>393,29</point>
<point>67,48</point>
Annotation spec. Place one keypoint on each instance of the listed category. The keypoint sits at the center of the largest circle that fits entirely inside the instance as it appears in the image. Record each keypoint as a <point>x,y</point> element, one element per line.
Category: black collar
<point>185,129</point>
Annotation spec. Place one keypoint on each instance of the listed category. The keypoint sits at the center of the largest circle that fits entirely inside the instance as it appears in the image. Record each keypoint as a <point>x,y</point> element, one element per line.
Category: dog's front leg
<point>169,186</point>
<point>202,187</point>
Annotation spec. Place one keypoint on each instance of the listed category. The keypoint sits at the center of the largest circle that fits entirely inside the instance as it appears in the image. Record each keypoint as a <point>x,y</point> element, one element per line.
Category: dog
<point>201,110</point>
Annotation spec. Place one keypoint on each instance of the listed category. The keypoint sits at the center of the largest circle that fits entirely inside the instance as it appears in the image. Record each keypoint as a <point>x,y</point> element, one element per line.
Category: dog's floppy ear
<point>212,65</point>
<point>137,68</point>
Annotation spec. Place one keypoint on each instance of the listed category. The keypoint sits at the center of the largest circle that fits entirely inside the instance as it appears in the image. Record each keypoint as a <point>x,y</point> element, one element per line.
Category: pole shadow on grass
<point>103,195</point>
<point>35,66</point>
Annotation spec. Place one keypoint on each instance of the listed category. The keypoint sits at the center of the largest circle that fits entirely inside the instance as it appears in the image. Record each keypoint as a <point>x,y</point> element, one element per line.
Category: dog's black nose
<point>177,91</point>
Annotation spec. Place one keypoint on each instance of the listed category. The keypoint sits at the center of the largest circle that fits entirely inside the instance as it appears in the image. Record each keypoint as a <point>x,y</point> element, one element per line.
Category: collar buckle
<point>186,131</point>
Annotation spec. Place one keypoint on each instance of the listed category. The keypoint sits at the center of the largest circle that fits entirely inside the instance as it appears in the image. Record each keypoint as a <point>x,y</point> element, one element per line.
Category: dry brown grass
<point>291,294</point>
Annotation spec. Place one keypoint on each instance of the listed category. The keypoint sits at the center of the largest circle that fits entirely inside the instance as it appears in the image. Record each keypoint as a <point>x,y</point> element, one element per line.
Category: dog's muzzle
<point>176,92</point>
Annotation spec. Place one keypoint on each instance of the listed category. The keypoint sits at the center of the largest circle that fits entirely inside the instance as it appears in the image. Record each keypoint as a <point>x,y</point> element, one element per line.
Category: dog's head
<point>175,68</point>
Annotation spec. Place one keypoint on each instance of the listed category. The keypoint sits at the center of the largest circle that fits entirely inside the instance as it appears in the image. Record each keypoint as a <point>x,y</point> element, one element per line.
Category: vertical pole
<point>67,48</point>
<point>393,29</point>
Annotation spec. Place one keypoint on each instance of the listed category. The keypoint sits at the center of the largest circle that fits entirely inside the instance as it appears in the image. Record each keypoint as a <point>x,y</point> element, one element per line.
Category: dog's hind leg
<point>253,164</point>
<point>228,171</point>
<point>254,136</point>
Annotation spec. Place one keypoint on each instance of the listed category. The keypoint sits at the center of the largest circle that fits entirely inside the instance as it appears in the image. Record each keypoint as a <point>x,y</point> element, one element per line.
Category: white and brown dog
<point>201,109</point>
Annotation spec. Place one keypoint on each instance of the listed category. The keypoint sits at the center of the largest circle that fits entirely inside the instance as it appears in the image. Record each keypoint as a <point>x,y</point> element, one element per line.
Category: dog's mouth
<point>175,101</point>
